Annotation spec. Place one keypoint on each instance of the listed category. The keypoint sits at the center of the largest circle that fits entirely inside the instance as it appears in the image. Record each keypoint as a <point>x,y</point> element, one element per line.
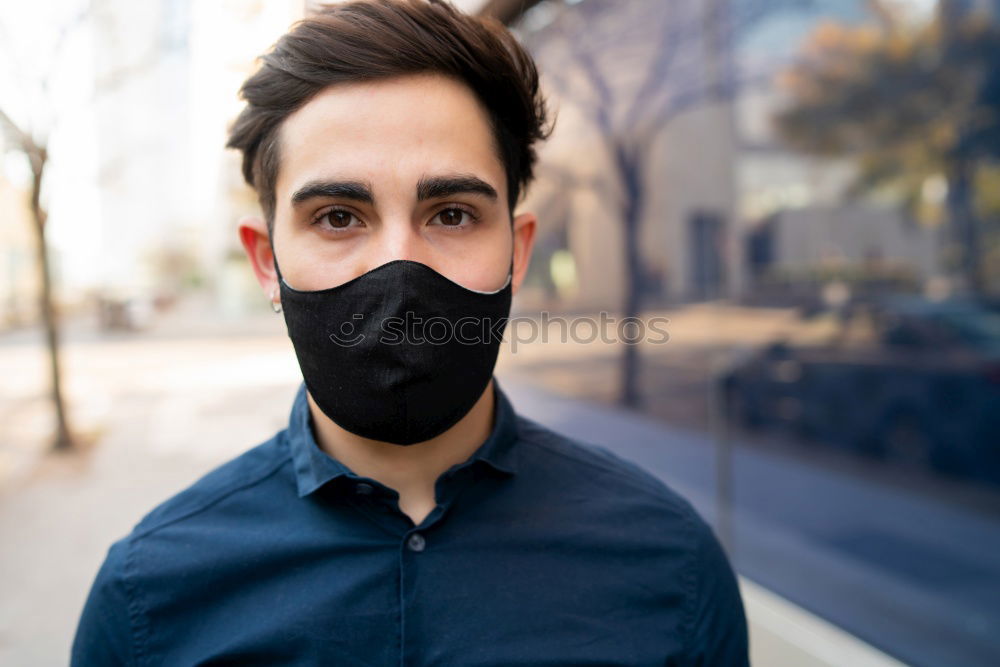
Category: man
<point>407,515</point>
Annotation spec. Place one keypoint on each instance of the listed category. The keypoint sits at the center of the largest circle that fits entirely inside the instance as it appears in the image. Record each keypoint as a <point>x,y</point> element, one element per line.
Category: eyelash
<point>473,218</point>
<point>318,218</point>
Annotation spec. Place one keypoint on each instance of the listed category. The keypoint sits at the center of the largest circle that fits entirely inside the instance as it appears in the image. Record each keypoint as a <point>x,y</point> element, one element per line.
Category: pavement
<point>162,412</point>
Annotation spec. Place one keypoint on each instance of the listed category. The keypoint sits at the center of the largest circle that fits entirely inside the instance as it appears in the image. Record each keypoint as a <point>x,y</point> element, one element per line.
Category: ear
<point>524,241</point>
<point>255,239</point>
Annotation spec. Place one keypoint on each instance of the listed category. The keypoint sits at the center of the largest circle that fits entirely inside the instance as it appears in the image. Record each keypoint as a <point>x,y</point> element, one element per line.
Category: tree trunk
<point>964,227</point>
<point>629,392</point>
<point>63,437</point>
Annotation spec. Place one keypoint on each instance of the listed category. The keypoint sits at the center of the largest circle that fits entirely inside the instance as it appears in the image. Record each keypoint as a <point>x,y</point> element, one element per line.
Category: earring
<point>275,304</point>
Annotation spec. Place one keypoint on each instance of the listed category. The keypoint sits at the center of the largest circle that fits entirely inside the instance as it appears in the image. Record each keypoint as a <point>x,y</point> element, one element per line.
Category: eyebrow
<point>356,190</point>
<point>444,186</point>
<point>431,187</point>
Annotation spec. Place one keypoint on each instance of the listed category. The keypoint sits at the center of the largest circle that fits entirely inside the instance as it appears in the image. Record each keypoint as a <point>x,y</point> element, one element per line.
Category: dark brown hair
<point>368,40</point>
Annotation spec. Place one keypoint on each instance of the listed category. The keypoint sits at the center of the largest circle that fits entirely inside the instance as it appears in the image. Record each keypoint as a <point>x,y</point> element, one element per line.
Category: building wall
<point>141,63</point>
<point>168,76</point>
<point>854,233</point>
<point>692,174</point>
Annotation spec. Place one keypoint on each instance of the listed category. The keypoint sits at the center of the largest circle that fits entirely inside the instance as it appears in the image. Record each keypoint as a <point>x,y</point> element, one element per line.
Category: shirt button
<point>364,489</point>
<point>416,542</point>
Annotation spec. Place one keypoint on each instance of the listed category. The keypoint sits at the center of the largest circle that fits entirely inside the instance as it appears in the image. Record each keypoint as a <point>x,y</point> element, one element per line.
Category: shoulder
<point>643,509</point>
<point>239,476</point>
<point>615,490</point>
<point>114,625</point>
<point>604,472</point>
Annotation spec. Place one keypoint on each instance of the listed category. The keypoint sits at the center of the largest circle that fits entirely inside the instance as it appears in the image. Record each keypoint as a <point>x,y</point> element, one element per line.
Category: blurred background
<point>807,190</point>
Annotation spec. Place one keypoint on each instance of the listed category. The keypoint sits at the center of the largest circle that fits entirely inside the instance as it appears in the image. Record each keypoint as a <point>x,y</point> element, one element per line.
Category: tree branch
<point>23,142</point>
<point>507,11</point>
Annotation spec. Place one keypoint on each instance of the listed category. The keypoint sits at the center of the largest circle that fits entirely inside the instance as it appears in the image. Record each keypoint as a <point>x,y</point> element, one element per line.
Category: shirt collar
<point>315,468</point>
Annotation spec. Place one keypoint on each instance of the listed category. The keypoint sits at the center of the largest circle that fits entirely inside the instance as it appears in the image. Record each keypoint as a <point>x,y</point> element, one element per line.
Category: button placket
<point>416,542</point>
<point>373,502</point>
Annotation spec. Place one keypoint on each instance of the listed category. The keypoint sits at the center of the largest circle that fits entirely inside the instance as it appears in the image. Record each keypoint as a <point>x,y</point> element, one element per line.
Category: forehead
<point>401,127</point>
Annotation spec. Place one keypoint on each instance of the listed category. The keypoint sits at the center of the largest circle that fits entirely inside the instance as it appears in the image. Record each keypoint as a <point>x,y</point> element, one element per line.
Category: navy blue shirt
<point>540,551</point>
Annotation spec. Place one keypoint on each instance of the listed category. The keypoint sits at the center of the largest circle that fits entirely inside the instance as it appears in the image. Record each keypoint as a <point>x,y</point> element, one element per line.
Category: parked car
<point>911,380</point>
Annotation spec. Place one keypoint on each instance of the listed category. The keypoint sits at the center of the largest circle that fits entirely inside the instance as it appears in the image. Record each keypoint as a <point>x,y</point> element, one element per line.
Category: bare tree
<point>34,147</point>
<point>37,156</point>
<point>30,136</point>
<point>631,68</point>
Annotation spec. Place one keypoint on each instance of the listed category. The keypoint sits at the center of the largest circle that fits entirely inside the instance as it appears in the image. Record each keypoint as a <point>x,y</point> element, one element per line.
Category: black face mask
<point>399,354</point>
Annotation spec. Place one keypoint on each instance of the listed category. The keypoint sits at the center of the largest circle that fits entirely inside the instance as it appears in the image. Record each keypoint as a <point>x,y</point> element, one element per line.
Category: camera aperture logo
<point>348,335</point>
<point>412,329</point>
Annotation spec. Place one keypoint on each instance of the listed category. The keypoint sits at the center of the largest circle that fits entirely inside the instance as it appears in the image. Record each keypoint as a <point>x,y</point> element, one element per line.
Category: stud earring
<point>275,303</point>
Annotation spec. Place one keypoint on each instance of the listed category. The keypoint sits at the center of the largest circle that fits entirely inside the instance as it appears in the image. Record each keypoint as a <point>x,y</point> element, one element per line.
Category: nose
<point>397,239</point>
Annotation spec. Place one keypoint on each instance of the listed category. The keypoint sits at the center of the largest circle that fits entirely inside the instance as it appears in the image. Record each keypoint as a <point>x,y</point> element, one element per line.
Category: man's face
<point>403,168</point>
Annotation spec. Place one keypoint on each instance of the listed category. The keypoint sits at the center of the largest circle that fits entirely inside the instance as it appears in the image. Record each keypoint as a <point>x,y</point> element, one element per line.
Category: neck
<point>411,470</point>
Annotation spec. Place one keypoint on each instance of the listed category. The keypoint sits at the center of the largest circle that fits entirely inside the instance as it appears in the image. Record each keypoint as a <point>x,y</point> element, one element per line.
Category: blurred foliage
<point>987,190</point>
<point>904,98</point>
<point>918,106</point>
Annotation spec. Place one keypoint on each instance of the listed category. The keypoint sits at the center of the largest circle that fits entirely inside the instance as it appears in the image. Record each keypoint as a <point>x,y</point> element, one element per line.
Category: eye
<point>454,216</point>
<point>336,218</point>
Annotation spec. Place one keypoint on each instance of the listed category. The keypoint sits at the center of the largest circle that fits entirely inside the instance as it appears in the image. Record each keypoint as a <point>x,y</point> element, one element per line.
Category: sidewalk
<point>170,410</point>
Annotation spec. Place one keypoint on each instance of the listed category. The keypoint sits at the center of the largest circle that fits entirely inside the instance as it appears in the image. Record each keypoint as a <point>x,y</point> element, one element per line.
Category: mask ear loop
<point>270,242</point>
<point>510,271</point>
<point>275,305</point>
